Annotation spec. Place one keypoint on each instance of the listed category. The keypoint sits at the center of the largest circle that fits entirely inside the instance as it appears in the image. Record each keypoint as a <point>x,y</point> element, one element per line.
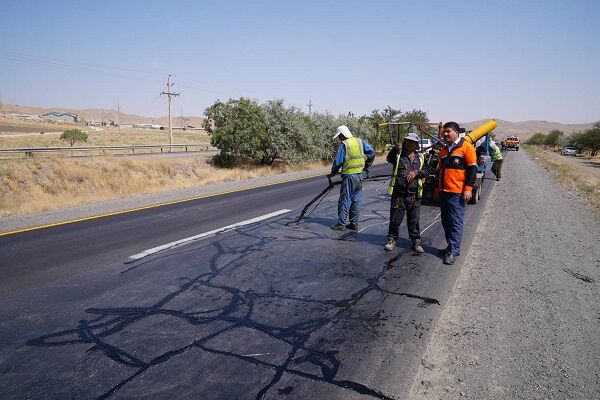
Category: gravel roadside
<point>523,319</point>
<point>591,167</point>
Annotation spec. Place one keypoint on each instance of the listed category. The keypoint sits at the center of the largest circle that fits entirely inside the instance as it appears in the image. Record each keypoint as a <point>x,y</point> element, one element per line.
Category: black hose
<point>328,189</point>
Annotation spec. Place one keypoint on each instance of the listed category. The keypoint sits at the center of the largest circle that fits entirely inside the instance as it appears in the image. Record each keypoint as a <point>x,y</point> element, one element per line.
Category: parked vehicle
<point>569,151</point>
<point>426,144</point>
<point>512,142</point>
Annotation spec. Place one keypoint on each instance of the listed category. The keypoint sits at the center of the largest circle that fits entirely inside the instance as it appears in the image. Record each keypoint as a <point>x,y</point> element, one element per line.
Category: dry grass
<point>34,185</point>
<point>17,134</point>
<point>571,175</point>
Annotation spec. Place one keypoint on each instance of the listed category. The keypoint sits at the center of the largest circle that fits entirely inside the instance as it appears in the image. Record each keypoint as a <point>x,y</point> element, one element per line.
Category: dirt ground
<point>522,321</point>
<point>590,166</point>
<point>18,134</point>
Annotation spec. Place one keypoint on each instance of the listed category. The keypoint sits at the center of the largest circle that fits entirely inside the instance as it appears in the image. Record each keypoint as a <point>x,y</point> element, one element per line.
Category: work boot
<point>446,251</point>
<point>449,259</point>
<point>339,227</point>
<point>352,226</point>
<point>391,245</point>
<point>416,246</point>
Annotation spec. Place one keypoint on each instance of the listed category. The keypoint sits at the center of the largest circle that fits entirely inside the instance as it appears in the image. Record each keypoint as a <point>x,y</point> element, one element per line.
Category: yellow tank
<point>481,131</point>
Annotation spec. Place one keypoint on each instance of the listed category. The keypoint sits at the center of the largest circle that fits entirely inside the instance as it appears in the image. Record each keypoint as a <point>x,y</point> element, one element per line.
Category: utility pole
<point>119,116</point>
<point>309,106</point>
<point>169,95</point>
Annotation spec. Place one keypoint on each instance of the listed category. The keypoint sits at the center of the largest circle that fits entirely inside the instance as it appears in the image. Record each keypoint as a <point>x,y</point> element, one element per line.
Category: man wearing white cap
<point>406,188</point>
<point>353,156</point>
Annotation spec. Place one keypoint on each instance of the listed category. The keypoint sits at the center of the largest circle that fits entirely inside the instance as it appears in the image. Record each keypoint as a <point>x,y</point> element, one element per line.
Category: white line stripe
<point>154,250</point>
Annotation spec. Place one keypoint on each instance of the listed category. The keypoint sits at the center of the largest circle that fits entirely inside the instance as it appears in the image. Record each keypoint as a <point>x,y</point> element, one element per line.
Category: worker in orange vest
<point>457,174</point>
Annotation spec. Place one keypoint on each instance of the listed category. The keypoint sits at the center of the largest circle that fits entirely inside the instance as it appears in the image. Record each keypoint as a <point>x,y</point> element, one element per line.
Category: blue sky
<point>457,60</point>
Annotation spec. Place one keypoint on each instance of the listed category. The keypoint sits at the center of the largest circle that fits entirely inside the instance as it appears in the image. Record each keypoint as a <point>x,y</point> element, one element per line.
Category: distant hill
<point>526,129</point>
<point>103,114</point>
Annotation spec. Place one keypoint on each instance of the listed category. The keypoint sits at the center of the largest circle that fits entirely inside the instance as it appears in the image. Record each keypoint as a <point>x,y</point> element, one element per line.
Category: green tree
<point>322,128</point>
<point>237,128</point>
<point>290,137</point>
<point>378,117</point>
<point>552,139</point>
<point>537,139</point>
<point>589,140</point>
<point>74,135</point>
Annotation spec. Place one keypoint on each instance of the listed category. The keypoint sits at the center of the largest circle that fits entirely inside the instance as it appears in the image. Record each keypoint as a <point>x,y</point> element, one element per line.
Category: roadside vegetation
<point>572,174</point>
<point>242,129</point>
<point>586,142</point>
<point>253,140</point>
<point>34,185</point>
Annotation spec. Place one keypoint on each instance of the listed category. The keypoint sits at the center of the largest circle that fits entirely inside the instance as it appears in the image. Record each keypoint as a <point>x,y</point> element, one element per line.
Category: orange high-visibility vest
<point>453,167</point>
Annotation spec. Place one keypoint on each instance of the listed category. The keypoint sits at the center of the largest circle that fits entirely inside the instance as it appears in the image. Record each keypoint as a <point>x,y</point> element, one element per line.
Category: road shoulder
<point>112,206</point>
<point>522,320</point>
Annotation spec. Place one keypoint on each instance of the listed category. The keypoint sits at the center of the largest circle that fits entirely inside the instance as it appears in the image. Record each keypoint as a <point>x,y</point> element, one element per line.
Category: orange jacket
<point>457,170</point>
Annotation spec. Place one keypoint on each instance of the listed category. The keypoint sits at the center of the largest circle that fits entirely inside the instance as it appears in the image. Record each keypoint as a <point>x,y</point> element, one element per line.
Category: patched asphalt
<point>264,311</point>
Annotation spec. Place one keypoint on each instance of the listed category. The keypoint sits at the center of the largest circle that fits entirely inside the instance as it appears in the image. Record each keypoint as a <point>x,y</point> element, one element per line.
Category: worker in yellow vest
<point>406,189</point>
<point>352,158</point>
<point>496,156</point>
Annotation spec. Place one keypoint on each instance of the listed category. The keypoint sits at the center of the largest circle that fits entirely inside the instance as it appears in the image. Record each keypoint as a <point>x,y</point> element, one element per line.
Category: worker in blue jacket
<point>352,158</point>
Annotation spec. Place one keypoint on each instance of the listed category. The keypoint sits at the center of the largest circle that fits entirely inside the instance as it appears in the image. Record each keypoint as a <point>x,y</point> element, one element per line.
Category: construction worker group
<point>456,171</point>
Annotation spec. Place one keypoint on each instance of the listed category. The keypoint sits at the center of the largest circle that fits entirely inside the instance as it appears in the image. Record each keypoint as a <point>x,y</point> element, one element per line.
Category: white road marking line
<point>157,249</point>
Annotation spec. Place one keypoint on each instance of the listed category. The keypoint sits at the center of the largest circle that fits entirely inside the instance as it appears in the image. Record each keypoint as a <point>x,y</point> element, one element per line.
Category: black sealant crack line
<point>237,313</point>
<point>579,276</point>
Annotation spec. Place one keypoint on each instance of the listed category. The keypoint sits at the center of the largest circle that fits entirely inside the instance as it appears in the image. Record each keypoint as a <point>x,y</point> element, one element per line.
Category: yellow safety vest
<point>496,154</point>
<point>420,181</point>
<point>354,163</point>
<point>390,190</point>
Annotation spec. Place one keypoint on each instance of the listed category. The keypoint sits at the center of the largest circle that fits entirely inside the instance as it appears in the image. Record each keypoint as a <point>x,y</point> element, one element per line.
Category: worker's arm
<point>471,164</point>
<point>338,161</point>
<point>369,152</point>
<point>391,156</point>
<point>425,172</point>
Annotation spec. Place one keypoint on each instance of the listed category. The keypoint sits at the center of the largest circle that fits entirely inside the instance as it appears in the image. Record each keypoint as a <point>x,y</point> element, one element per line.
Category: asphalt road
<point>267,310</point>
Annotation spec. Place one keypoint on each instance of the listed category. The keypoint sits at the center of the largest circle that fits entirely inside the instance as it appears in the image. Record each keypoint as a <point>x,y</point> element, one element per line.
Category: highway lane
<point>265,311</point>
<point>40,257</point>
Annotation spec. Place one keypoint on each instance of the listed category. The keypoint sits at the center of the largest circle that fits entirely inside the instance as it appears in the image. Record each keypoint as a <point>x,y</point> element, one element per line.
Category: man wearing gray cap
<point>353,156</point>
<point>406,189</point>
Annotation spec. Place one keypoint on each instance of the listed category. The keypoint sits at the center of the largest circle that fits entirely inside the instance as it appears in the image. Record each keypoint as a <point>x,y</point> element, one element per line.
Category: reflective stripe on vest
<point>390,190</point>
<point>354,163</point>
<point>420,181</point>
<point>496,154</point>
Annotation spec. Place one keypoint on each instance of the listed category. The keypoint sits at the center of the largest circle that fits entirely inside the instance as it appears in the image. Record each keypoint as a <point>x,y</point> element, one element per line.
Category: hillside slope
<point>526,129</point>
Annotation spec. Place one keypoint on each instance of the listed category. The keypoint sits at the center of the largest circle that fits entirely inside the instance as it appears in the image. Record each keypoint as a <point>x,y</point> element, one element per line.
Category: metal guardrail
<point>30,151</point>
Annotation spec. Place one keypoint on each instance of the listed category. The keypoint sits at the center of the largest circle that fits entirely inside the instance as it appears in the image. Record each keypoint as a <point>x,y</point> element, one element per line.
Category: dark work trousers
<point>401,204</point>
<point>497,168</point>
<point>452,208</point>
<point>350,198</point>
